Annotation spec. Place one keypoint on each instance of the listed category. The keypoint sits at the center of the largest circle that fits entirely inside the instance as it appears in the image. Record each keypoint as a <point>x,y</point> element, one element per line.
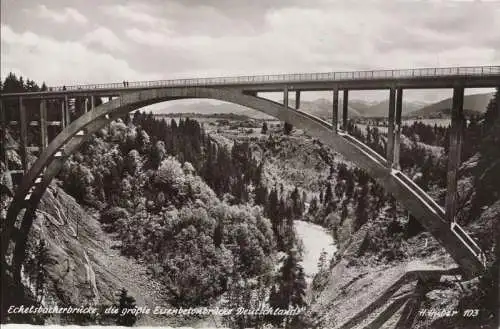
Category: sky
<point>66,42</point>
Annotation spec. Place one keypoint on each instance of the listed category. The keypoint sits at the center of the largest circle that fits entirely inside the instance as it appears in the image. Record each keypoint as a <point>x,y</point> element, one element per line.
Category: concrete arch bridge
<point>41,110</point>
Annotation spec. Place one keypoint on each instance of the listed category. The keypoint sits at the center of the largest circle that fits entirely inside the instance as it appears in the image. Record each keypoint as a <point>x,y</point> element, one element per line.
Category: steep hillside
<point>83,262</point>
<point>473,104</point>
<point>296,160</point>
<point>419,285</point>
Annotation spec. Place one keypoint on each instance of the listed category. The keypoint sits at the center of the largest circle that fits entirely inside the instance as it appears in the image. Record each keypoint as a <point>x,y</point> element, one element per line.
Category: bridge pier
<point>4,134</point>
<point>454,152</point>
<point>285,96</point>
<point>390,128</point>
<point>63,120</point>
<point>24,134</point>
<point>66,110</point>
<point>345,105</point>
<point>92,103</point>
<point>297,99</point>
<point>335,109</point>
<point>397,131</point>
<point>43,124</point>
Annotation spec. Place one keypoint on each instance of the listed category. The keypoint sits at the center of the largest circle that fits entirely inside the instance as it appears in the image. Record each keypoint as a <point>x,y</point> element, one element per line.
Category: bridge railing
<point>298,77</point>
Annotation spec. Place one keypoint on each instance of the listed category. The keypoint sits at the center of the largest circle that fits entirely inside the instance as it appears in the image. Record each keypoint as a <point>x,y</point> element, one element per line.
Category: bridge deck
<point>448,77</point>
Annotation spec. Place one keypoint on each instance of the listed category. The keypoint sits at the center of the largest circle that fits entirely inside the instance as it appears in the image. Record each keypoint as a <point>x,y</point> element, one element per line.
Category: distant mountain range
<point>381,109</point>
<point>206,108</point>
<point>356,108</point>
<point>473,104</point>
<point>322,108</point>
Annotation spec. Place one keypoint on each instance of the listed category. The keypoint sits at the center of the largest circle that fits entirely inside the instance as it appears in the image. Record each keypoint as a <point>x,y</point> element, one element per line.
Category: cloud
<point>66,15</point>
<point>335,37</point>
<point>61,62</point>
<point>150,38</point>
<point>195,38</point>
<point>104,37</point>
<point>134,13</point>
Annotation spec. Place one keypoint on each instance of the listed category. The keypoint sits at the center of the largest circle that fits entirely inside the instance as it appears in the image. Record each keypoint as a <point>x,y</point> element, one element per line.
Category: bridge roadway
<point>421,78</point>
<point>243,91</point>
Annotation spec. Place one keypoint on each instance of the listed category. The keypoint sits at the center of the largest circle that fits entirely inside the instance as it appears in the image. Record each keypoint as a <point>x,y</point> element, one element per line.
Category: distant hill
<point>473,104</point>
<point>207,108</point>
<point>322,108</point>
<point>381,109</point>
<point>357,108</point>
<point>360,105</point>
<point>227,116</point>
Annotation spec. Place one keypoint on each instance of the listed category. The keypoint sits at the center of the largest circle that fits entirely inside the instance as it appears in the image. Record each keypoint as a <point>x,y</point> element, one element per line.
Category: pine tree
<point>261,195</point>
<point>219,234</point>
<point>126,302</point>
<point>291,287</point>
<point>313,206</point>
<point>296,204</point>
<point>328,194</point>
<point>264,128</point>
<point>322,260</point>
<point>362,205</point>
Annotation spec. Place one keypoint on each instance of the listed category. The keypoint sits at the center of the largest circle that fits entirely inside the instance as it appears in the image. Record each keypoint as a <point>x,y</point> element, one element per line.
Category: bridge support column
<point>345,106</point>
<point>92,104</point>
<point>24,134</point>
<point>66,110</point>
<point>43,124</point>
<point>335,109</point>
<point>390,128</point>
<point>63,116</point>
<point>297,99</point>
<point>397,132</point>
<point>454,151</point>
<point>4,134</point>
<point>285,96</point>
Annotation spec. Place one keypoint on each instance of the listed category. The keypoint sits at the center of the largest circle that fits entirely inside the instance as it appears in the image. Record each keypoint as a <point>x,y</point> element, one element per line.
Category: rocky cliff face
<point>84,263</point>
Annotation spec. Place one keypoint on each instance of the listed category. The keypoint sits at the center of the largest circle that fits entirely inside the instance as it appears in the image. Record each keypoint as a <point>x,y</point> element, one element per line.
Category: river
<point>315,239</point>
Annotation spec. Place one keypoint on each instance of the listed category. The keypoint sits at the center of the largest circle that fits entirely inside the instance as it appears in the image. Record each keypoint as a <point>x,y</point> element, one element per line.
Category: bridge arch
<point>49,163</point>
